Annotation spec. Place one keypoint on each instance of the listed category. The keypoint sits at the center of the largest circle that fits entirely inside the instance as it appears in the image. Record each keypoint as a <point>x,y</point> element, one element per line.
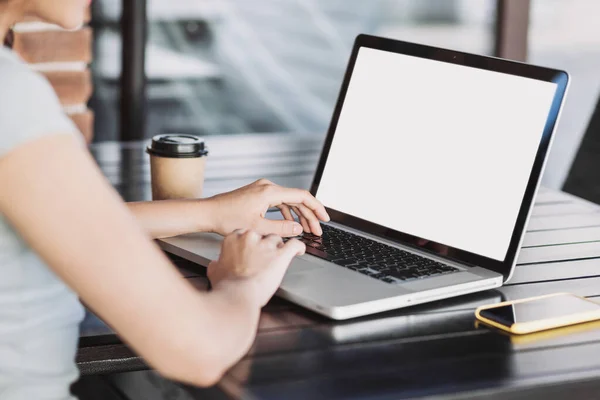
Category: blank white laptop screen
<point>436,150</point>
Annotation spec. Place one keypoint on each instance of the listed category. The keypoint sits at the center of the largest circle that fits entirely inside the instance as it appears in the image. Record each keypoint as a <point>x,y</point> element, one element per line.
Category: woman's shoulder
<point>29,107</point>
<point>19,81</point>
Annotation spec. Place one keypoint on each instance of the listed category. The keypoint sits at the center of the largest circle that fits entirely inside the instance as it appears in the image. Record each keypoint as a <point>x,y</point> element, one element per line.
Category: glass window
<point>263,66</point>
<point>106,68</point>
<point>566,35</point>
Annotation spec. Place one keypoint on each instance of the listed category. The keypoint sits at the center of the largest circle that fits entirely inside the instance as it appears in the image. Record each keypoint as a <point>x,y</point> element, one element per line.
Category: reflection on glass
<point>239,66</point>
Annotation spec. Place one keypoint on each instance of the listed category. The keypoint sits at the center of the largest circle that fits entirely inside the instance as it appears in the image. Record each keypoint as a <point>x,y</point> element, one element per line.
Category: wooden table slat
<point>562,236</point>
<point>404,356</point>
<point>563,222</point>
<point>582,287</point>
<point>540,210</point>
<point>452,377</point>
<point>555,271</point>
<point>550,197</point>
<point>561,252</point>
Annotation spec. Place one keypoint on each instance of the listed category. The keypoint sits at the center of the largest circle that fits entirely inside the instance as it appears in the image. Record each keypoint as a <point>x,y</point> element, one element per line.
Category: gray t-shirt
<point>39,315</point>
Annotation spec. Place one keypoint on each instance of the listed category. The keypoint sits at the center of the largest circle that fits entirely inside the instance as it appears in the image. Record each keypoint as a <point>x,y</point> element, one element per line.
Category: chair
<point>583,179</point>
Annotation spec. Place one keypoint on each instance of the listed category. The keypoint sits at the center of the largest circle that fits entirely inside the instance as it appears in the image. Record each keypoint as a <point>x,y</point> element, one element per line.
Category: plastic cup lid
<point>176,145</point>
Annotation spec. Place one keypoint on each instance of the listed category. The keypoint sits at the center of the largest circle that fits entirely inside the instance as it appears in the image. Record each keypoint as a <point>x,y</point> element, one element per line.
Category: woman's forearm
<point>169,218</point>
<point>98,249</point>
<point>215,343</point>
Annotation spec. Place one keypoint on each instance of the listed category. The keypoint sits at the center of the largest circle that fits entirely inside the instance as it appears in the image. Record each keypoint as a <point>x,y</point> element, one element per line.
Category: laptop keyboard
<point>371,258</point>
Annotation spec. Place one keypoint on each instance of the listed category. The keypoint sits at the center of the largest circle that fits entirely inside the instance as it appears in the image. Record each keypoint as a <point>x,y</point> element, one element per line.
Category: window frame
<point>510,41</point>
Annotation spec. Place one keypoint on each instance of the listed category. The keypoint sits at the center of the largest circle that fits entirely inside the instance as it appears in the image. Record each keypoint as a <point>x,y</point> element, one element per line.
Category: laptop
<point>428,171</point>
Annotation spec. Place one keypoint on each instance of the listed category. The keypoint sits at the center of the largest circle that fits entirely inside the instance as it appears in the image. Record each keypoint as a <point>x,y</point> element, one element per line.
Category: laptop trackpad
<point>300,265</point>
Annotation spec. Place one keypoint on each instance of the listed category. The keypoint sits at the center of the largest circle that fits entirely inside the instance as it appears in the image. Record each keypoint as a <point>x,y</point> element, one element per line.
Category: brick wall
<point>64,58</point>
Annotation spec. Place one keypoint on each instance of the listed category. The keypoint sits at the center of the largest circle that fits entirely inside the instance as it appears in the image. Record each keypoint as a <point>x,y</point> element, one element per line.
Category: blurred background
<point>224,67</point>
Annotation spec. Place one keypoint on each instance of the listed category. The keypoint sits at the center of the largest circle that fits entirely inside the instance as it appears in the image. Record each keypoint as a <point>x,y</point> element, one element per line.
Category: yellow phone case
<point>547,335</point>
<point>539,325</point>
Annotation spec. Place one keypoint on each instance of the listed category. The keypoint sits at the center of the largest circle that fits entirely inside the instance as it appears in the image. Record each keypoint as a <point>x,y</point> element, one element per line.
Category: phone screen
<point>540,309</point>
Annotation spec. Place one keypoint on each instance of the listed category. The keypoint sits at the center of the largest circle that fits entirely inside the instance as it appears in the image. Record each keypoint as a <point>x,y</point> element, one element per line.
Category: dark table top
<point>427,350</point>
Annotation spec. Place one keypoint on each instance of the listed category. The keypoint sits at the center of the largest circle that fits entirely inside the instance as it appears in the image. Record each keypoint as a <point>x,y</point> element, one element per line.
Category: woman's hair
<point>10,35</point>
<point>9,39</point>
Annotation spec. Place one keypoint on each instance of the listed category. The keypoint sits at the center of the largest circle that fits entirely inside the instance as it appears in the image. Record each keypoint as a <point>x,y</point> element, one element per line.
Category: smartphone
<point>539,313</point>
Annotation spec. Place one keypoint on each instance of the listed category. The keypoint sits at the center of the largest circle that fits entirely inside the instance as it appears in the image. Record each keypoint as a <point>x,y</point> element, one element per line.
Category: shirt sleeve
<point>29,107</point>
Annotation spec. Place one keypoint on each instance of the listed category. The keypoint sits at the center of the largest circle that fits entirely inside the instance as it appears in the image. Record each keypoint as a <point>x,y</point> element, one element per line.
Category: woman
<point>64,234</point>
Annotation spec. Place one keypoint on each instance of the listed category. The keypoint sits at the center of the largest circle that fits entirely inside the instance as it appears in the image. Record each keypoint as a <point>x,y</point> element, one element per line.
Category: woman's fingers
<point>273,240</point>
<point>303,221</point>
<point>311,219</point>
<point>291,249</point>
<point>286,212</point>
<point>279,195</point>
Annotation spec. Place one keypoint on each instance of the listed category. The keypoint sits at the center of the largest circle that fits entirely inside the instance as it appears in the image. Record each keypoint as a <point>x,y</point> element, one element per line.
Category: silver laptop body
<point>410,88</point>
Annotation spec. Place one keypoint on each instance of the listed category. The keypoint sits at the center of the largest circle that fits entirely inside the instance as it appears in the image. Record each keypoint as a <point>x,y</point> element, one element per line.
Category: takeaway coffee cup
<point>177,163</point>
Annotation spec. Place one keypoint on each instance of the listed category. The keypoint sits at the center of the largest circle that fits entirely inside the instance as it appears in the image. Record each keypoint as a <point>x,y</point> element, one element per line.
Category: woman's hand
<point>245,208</point>
<point>252,266</point>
